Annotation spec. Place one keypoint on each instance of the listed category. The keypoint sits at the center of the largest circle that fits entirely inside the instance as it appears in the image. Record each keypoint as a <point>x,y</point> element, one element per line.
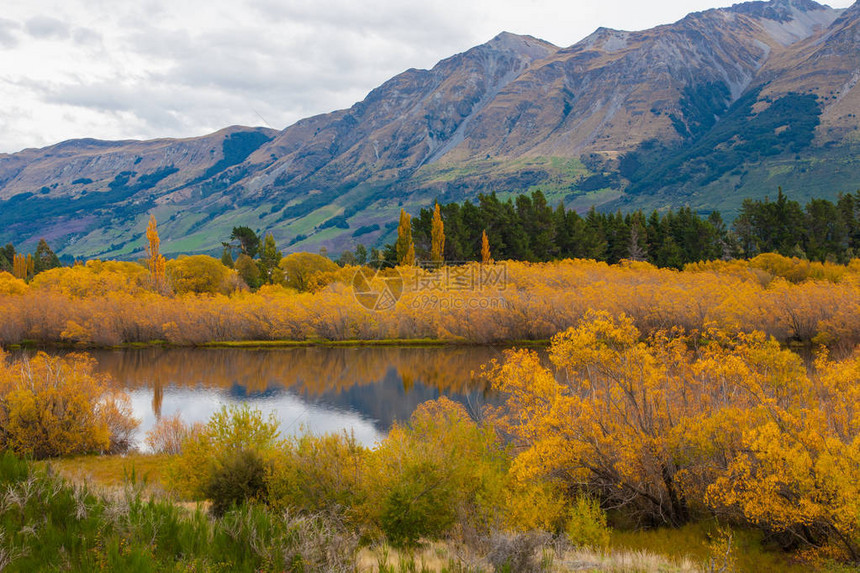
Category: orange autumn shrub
<point>676,425</point>
<point>107,303</point>
<point>51,406</point>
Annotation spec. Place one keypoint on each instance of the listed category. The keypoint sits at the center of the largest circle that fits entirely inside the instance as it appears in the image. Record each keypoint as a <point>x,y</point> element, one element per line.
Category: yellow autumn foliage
<point>678,424</point>
<point>52,406</point>
<point>111,303</point>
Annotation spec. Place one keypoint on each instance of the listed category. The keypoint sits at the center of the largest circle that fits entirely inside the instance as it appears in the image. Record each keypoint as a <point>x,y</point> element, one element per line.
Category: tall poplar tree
<point>437,233</point>
<point>157,264</point>
<point>486,258</point>
<point>404,247</point>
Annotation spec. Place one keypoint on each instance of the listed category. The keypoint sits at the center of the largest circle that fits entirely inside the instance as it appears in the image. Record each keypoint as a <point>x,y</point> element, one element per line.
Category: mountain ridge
<point>765,92</point>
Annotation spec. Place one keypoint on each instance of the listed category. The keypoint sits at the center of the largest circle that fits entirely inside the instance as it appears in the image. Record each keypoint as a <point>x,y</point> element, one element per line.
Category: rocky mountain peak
<point>778,10</point>
<point>528,46</point>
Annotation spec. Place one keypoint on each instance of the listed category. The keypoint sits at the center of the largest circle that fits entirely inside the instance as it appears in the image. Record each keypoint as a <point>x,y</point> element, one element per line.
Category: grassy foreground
<point>139,480</point>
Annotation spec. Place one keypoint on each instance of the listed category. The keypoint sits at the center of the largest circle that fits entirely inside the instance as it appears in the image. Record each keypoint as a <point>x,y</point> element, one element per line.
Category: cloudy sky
<point>119,69</point>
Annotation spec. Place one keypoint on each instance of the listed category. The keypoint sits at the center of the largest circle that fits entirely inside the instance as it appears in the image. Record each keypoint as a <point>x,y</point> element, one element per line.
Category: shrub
<point>12,469</point>
<point>586,524</point>
<point>517,552</point>
<point>199,274</point>
<point>47,524</point>
<point>321,542</point>
<point>168,434</point>
<point>240,477</point>
<point>318,473</point>
<point>440,471</point>
<point>421,503</point>
<point>10,285</point>
<point>51,406</point>
<point>230,430</point>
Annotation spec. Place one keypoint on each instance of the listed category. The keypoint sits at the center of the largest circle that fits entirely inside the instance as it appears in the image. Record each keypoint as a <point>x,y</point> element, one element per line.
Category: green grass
<point>49,524</point>
<point>692,541</point>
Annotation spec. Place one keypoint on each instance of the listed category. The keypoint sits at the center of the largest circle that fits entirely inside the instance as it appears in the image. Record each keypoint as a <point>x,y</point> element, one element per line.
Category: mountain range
<point>724,104</point>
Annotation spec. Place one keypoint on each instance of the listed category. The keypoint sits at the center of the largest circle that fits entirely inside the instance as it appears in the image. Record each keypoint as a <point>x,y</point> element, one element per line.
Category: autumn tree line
<point>24,265</point>
<point>527,228</point>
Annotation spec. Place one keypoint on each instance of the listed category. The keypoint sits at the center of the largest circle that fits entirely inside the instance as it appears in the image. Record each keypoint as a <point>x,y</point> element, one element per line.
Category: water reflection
<point>319,389</point>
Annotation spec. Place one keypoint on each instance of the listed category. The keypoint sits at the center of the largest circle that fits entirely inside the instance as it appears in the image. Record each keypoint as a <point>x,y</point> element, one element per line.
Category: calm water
<point>319,390</point>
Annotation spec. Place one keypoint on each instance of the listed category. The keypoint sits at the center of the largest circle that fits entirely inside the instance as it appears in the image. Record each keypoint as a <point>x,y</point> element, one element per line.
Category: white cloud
<point>8,36</point>
<point>117,69</point>
<point>46,27</point>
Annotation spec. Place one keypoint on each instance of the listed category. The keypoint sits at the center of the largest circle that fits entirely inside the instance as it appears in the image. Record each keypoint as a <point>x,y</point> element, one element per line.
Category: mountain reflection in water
<point>317,389</point>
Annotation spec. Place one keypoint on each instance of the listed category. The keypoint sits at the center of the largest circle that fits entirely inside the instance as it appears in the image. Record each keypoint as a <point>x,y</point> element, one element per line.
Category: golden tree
<point>486,257</point>
<point>404,247</point>
<point>23,266</point>
<point>437,248</point>
<point>157,264</point>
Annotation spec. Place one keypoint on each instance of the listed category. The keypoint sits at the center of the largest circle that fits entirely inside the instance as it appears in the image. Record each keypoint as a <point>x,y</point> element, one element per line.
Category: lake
<point>316,389</point>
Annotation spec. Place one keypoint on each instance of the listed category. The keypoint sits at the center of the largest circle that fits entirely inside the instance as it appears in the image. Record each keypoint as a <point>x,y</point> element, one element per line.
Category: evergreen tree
<point>360,254</point>
<point>537,219</point>
<point>227,257</point>
<point>745,227</point>
<point>270,258</point>
<point>849,213</point>
<point>8,253</point>
<point>594,243</point>
<point>474,225</point>
<point>617,238</point>
<point>248,240</point>
<point>491,218</point>
<point>824,235</point>
<point>44,258</point>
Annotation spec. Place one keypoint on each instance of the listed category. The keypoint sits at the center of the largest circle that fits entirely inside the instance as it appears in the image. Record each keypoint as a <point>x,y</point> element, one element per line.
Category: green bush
<point>586,524</point>
<point>239,478</point>
<point>422,503</point>
<point>318,473</point>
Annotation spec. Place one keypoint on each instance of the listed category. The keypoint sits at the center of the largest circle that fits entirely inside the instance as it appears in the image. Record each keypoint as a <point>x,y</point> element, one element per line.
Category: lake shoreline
<point>262,344</point>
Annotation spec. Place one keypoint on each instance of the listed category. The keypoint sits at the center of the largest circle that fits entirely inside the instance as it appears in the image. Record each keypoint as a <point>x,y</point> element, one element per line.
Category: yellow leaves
<point>437,231</point>
<point>300,270</point>
<point>53,406</point>
<point>486,257</point>
<point>534,301</point>
<point>229,431</point>
<point>155,262</point>
<point>598,341</point>
<point>199,274</point>
<point>733,421</point>
<point>10,285</point>
<point>96,278</point>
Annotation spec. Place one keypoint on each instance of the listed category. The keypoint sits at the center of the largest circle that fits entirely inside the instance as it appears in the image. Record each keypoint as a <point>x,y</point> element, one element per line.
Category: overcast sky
<point>120,69</point>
